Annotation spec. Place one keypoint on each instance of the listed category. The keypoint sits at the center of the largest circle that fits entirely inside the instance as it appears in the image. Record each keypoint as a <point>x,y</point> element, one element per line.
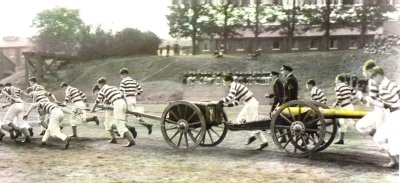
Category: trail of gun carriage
<point>247,102</point>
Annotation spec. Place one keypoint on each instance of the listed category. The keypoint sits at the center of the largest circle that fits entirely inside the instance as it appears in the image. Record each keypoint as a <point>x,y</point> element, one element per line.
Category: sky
<point>146,15</point>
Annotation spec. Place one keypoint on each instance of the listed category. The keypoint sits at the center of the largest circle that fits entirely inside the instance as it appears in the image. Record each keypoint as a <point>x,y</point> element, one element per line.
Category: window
<point>205,46</point>
<point>295,44</point>
<point>333,43</point>
<point>276,44</point>
<point>353,43</point>
<point>314,44</point>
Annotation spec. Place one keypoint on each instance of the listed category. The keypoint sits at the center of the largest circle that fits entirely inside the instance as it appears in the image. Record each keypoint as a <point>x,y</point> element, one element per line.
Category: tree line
<point>62,30</point>
<point>201,20</point>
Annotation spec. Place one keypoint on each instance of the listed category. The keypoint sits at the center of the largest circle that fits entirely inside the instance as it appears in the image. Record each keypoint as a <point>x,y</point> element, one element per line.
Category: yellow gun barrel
<point>327,113</point>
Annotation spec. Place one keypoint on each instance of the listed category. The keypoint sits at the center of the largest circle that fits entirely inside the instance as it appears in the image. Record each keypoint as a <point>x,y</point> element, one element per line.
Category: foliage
<point>58,30</point>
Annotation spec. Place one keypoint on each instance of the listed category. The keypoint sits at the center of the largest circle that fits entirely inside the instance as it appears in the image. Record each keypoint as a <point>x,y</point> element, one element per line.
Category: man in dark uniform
<point>277,87</point>
<point>291,87</point>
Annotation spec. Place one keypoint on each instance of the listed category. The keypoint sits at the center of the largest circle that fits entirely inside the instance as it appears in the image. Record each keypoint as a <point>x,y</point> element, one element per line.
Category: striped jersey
<point>47,107</point>
<point>373,91</point>
<point>344,94</point>
<point>39,96</point>
<point>237,93</point>
<point>74,95</point>
<point>37,87</point>
<point>388,93</point>
<point>130,87</point>
<point>108,94</point>
<point>13,92</point>
<point>317,95</point>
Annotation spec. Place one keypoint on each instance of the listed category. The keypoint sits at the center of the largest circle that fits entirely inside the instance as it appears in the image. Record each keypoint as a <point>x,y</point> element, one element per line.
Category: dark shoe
<point>1,136</point>
<point>43,144</point>
<point>283,140</point>
<point>96,120</point>
<point>112,141</point>
<point>74,135</point>
<point>129,144</point>
<point>42,133</point>
<point>133,131</point>
<point>341,142</point>
<point>67,140</point>
<point>149,128</point>
<point>30,132</point>
<point>251,140</point>
<point>27,140</point>
<point>262,146</point>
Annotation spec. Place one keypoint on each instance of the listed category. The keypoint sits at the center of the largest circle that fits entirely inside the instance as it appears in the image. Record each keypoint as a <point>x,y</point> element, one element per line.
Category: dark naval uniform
<point>278,94</point>
<point>291,88</point>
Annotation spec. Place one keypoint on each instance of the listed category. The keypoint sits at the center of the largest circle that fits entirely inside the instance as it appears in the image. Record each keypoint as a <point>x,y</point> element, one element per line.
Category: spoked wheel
<point>330,129</point>
<point>215,131</point>
<point>298,128</point>
<point>183,125</point>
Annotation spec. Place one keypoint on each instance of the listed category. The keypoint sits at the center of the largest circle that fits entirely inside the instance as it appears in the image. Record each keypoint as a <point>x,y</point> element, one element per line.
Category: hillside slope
<point>161,77</point>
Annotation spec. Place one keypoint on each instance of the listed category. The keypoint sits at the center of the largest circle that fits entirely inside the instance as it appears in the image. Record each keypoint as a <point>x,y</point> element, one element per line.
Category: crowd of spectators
<point>215,78</point>
<point>382,44</point>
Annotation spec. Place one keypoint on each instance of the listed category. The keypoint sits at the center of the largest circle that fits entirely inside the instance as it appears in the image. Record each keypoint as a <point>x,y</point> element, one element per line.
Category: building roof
<point>14,42</point>
<point>248,33</point>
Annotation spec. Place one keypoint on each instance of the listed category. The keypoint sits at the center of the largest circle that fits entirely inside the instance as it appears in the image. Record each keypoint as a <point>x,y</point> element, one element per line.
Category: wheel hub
<point>297,128</point>
<point>183,125</point>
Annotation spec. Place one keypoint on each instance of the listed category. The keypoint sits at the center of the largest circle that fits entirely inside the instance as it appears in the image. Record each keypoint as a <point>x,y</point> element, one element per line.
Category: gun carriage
<point>298,128</point>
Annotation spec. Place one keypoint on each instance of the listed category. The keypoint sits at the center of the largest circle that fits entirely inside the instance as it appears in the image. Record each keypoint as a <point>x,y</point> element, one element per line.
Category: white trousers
<point>53,130</point>
<point>118,117</point>
<point>14,115</point>
<point>387,136</point>
<point>372,121</point>
<point>344,122</point>
<point>249,113</point>
<point>131,105</point>
<point>79,115</point>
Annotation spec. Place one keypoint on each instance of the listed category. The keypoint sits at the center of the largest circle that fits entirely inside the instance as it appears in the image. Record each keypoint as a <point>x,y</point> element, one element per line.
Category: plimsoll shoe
<point>251,140</point>
<point>30,132</point>
<point>129,144</point>
<point>262,146</point>
<point>149,128</point>
<point>96,120</point>
<point>341,142</point>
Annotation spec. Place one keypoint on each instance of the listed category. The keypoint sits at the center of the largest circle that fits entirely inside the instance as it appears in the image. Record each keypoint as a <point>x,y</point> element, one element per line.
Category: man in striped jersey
<point>40,96</point>
<point>114,96</point>
<point>316,93</point>
<point>36,87</point>
<point>374,119</point>
<point>130,89</point>
<point>56,115</point>
<point>344,96</point>
<point>2,134</point>
<point>77,98</point>
<point>13,120</point>
<point>249,112</point>
<point>388,135</point>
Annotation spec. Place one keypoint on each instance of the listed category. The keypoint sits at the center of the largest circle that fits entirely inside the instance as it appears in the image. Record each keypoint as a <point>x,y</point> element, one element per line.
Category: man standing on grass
<point>249,112</point>
<point>291,86</point>
<point>114,96</point>
<point>130,89</point>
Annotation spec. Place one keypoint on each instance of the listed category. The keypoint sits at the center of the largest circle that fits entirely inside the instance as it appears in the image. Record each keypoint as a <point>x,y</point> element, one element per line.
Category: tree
<point>188,19</point>
<point>225,16</point>
<point>96,43</point>
<point>58,30</point>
